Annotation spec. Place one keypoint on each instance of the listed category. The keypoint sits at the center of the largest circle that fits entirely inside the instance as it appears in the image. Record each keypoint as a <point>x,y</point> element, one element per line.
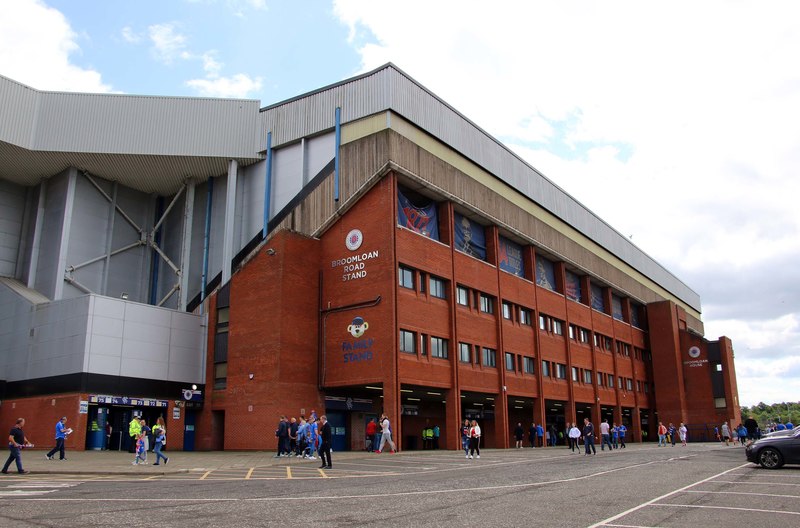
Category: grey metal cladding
<point>388,88</point>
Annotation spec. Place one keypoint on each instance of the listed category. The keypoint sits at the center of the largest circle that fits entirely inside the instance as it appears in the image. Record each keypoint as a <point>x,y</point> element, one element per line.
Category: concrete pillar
<point>186,245</point>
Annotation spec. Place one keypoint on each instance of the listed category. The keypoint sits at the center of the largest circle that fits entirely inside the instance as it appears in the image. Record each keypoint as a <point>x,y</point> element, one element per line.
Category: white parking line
<point>760,483</point>
<point>742,493</point>
<point>726,508</point>
<point>671,493</point>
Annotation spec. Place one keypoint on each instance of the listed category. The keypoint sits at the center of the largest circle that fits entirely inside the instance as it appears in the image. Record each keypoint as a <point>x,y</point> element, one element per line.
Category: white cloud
<point>675,125</point>
<point>36,46</point>
<point>168,43</point>
<point>236,86</point>
<point>129,35</point>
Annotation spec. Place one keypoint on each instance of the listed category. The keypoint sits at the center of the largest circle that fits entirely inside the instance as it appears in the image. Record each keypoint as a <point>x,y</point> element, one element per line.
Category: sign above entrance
<point>124,400</point>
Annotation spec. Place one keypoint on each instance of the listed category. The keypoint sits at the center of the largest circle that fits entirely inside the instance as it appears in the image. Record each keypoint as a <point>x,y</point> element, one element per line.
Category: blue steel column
<point>267,187</point>
<point>206,236</point>
<point>336,154</point>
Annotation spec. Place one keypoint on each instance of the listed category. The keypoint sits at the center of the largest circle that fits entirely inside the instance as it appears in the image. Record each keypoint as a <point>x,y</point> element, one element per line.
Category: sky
<point>677,123</point>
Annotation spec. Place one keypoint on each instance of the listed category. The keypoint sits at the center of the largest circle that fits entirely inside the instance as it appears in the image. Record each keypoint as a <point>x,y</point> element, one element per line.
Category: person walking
<point>621,430</point>
<point>683,432</point>
<point>474,439</point>
<point>61,435</point>
<point>588,437</point>
<point>662,435</point>
<point>465,438</point>
<point>519,434</point>
<point>325,443</point>
<point>671,434</point>
<point>141,454</point>
<point>574,434</point>
<point>372,428</point>
<point>16,441</point>
<point>386,435</point>
<point>605,436</point>
<point>726,433</point>
<point>532,435</point>
<point>160,441</point>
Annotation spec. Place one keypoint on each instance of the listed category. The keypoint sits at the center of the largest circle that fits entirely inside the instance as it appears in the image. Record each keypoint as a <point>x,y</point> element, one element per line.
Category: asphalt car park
<point>646,486</point>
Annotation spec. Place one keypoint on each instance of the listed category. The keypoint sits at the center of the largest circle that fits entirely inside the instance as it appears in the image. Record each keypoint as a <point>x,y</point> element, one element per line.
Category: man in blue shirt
<point>540,434</point>
<point>621,430</point>
<point>588,437</point>
<point>61,435</point>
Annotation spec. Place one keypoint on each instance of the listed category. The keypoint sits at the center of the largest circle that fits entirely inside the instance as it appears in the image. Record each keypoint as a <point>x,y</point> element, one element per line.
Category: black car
<point>774,451</point>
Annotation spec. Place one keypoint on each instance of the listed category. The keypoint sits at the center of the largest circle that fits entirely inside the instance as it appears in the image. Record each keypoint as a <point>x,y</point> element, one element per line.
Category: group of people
<point>140,440</point>
<point>471,439</point>
<point>378,434</point>
<point>536,435</point>
<point>18,441</point>
<point>305,438</point>
<point>669,434</point>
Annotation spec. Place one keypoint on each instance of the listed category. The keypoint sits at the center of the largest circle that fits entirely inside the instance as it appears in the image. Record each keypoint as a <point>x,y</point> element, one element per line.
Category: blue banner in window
<point>573,287</point>
<point>470,238</point>
<point>598,303</point>
<point>421,219</point>
<point>635,315</point>
<point>511,257</point>
<point>545,273</point>
<point>616,307</point>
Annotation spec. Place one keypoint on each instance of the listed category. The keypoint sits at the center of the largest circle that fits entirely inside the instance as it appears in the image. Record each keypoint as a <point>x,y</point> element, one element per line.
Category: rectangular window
<point>438,347</point>
<point>528,364</point>
<point>629,384</point>
<point>546,369</point>
<point>610,381</point>
<point>572,332</point>
<point>587,377</point>
<point>487,304</point>
<point>542,322</point>
<point>574,373</point>
<point>599,379</point>
<point>619,382</point>
<point>597,340</point>
<point>462,296</point>
<point>507,310</point>
<point>646,387</point>
<point>720,403</point>
<point>545,273</point>
<point>464,352</point>
<point>437,288</point>
<point>423,345</point>
<point>408,342</point>
<point>509,361</point>
<point>558,327</point>
<point>406,277</point>
<point>489,357</point>
<point>638,386</point>
<point>608,343</point>
<point>583,335</point>
<point>561,371</point>
<point>221,375</point>
<point>525,316</point>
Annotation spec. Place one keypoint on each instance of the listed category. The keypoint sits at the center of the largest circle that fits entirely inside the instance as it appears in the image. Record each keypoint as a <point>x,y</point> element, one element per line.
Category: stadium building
<point>359,249</point>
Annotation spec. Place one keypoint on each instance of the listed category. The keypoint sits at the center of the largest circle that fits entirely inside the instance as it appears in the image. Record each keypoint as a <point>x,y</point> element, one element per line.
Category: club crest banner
<point>421,219</point>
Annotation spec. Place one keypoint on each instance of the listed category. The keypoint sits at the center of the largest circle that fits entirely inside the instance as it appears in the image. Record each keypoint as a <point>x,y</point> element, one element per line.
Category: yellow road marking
<point>207,473</point>
<point>249,473</point>
<point>288,472</point>
<point>322,473</point>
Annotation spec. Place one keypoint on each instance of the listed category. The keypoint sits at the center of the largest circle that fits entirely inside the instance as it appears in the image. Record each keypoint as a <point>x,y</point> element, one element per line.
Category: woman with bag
<point>160,440</point>
<point>475,439</point>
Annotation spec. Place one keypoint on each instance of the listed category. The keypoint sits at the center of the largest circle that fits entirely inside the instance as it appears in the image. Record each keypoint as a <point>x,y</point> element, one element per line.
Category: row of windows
<point>436,345</point>
<point>518,363</point>
<point>437,287</point>
<point>407,278</point>
<point>477,354</point>
<point>466,297</point>
<point>520,314</point>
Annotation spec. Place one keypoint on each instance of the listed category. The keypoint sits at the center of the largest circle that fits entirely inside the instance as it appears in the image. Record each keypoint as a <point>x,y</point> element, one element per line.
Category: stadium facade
<point>359,249</point>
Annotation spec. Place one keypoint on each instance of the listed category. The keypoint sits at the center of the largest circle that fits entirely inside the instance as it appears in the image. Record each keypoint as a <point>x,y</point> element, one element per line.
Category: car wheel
<point>770,458</point>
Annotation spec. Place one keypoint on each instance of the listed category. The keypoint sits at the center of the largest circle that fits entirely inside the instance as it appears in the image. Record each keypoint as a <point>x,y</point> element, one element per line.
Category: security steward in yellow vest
<point>427,438</point>
<point>134,429</point>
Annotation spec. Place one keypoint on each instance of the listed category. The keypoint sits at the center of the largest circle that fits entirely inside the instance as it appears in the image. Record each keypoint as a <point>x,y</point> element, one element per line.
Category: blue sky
<point>677,126</point>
